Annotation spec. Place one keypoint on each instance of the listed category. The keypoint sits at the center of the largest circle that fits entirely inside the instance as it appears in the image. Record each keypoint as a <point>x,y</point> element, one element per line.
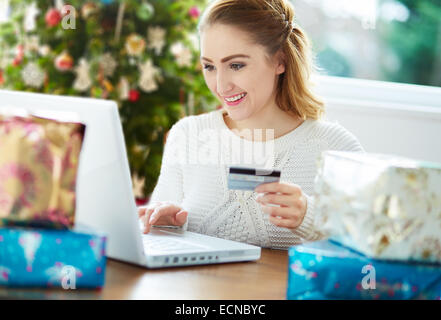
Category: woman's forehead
<point>220,41</point>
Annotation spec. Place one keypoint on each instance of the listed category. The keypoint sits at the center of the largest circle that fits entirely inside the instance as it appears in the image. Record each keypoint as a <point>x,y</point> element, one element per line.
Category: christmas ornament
<point>138,186</point>
<point>182,54</point>
<point>134,95</point>
<point>107,85</point>
<point>82,81</point>
<point>53,17</point>
<point>147,79</point>
<point>88,9</point>
<point>32,75</point>
<point>107,64</point>
<point>44,50</point>
<point>194,12</point>
<point>123,88</point>
<point>29,22</point>
<point>135,45</point>
<point>19,54</point>
<point>2,79</point>
<point>143,150</point>
<point>145,11</point>
<point>64,62</point>
<point>59,4</point>
<point>156,39</point>
<point>32,43</point>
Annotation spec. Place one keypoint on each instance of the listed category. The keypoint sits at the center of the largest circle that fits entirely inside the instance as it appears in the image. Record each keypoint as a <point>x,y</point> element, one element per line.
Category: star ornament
<point>182,54</point>
<point>156,39</point>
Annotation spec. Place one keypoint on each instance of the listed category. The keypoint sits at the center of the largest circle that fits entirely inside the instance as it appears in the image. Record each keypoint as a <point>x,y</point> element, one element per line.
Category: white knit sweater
<point>199,185</point>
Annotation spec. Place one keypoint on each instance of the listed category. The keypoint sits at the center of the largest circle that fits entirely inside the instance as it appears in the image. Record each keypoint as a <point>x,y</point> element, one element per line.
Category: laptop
<point>105,200</point>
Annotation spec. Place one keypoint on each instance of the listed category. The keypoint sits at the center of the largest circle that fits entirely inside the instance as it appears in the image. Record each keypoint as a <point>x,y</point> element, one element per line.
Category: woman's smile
<point>236,99</point>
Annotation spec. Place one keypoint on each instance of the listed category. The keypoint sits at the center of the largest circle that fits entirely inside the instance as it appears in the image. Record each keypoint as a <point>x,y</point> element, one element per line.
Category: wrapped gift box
<point>52,258</point>
<point>39,160</point>
<point>381,205</point>
<point>328,270</point>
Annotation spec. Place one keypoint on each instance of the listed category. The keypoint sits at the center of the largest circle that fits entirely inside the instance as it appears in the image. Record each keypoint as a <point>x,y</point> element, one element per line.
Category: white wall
<point>386,117</point>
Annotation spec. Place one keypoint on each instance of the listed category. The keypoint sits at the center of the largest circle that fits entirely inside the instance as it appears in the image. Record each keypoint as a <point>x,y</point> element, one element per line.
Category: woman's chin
<point>236,114</point>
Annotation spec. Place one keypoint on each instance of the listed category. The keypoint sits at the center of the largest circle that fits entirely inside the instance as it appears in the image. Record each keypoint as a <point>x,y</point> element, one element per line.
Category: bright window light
<point>365,10</point>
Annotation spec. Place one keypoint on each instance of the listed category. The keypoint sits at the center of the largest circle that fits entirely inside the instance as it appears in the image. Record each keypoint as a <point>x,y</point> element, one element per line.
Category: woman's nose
<point>224,85</point>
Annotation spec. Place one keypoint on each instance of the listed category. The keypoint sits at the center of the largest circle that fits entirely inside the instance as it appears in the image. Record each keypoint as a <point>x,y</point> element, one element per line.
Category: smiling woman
<point>267,46</point>
<point>257,62</point>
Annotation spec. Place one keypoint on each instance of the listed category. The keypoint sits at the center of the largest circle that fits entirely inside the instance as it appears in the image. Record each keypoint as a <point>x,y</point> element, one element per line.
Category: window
<point>390,40</point>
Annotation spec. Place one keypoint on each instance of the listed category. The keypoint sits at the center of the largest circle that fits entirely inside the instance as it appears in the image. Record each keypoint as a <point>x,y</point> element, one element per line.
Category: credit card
<point>240,178</point>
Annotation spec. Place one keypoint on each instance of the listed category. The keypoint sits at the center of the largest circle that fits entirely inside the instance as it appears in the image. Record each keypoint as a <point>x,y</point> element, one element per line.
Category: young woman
<point>257,62</point>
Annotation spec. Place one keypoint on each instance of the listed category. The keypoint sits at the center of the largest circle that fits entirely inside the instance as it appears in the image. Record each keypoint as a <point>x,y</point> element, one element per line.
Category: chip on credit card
<point>240,178</point>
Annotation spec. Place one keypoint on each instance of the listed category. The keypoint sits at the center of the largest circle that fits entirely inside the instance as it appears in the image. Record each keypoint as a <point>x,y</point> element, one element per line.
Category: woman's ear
<point>280,62</point>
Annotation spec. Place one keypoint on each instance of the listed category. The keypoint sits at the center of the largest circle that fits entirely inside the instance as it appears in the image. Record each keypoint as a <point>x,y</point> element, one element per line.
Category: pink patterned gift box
<point>39,161</point>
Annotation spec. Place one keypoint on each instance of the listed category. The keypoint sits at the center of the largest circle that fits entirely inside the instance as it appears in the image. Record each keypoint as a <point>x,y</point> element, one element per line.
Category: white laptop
<point>105,200</point>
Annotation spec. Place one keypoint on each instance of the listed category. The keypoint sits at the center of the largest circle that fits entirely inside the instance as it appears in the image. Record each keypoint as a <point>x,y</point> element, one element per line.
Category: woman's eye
<point>237,66</point>
<point>234,66</point>
<point>208,67</point>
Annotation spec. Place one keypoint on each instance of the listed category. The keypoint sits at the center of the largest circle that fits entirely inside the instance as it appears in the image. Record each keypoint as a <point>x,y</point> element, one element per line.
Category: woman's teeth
<point>235,98</point>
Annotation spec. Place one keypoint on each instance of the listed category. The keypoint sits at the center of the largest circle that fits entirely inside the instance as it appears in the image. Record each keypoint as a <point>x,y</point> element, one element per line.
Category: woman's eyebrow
<point>229,57</point>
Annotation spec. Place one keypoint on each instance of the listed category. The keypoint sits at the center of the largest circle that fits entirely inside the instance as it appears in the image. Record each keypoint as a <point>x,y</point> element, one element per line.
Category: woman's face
<point>238,71</point>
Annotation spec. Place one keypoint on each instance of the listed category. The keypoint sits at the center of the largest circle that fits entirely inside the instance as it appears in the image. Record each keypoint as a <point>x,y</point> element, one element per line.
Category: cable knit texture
<point>197,154</point>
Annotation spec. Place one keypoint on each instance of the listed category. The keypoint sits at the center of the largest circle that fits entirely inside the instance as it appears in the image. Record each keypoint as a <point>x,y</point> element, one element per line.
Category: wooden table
<point>262,279</point>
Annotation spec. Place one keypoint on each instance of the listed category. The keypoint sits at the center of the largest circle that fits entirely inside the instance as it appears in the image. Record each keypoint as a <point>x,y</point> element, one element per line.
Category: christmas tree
<point>144,55</point>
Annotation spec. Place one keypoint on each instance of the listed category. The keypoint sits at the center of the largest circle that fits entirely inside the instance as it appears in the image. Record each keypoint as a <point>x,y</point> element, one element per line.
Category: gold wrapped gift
<point>39,161</point>
<point>384,206</point>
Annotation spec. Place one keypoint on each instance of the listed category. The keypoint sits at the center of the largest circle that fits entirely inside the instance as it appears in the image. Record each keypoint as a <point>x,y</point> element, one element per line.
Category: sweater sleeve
<point>339,139</point>
<point>169,187</point>
<point>306,230</point>
<point>336,138</point>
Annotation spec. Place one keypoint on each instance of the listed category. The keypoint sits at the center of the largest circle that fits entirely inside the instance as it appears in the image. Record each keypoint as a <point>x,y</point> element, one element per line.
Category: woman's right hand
<point>162,213</point>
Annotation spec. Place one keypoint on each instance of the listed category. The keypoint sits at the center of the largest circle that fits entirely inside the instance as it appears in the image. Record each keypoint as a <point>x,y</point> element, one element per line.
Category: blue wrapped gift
<point>328,270</point>
<point>52,258</point>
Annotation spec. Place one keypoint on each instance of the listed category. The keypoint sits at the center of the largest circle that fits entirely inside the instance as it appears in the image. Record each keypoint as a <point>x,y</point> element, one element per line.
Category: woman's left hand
<point>291,199</point>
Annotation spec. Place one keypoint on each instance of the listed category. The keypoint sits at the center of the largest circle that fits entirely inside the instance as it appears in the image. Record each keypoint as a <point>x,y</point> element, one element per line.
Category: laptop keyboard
<point>167,244</point>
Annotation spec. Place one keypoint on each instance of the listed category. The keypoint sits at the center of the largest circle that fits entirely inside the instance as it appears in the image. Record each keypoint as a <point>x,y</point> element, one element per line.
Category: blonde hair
<point>270,24</point>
